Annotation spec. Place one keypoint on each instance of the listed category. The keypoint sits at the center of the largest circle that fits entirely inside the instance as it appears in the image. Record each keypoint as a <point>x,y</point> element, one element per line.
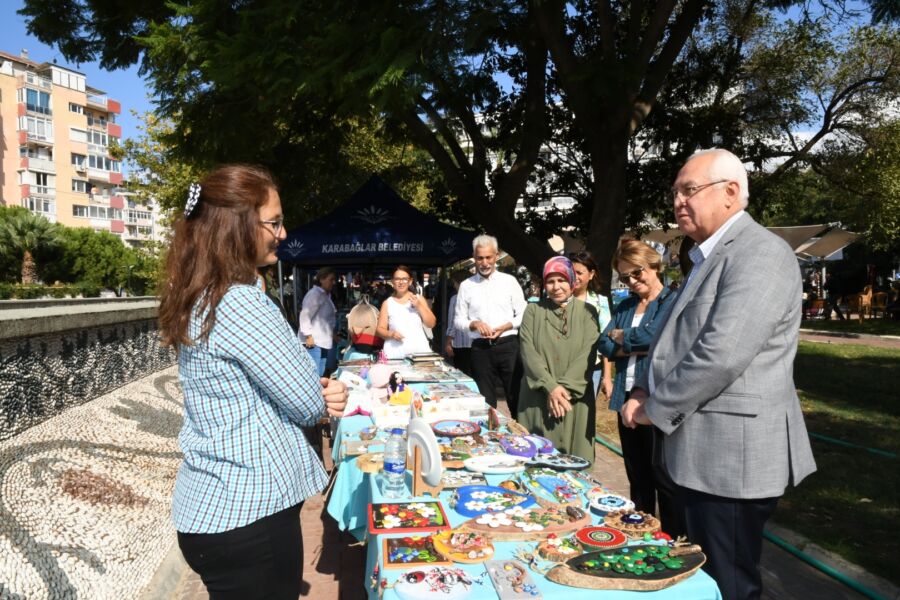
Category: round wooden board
<point>370,462</point>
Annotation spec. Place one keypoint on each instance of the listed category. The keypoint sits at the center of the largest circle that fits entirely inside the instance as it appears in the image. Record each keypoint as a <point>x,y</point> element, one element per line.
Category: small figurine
<point>400,394</point>
<point>395,383</point>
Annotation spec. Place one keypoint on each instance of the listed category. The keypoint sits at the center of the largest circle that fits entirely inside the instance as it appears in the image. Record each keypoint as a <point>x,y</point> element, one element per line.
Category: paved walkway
<point>857,339</point>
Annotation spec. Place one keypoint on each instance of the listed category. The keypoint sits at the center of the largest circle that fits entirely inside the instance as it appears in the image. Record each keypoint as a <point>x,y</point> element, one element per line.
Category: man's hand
<point>483,329</point>
<point>310,342</point>
<point>448,348</point>
<point>335,394</point>
<point>500,330</point>
<point>628,411</point>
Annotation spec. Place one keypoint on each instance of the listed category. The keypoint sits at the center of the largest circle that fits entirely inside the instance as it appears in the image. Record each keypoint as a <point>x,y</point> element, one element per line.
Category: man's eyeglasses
<point>635,275</point>
<point>277,224</point>
<point>689,191</point>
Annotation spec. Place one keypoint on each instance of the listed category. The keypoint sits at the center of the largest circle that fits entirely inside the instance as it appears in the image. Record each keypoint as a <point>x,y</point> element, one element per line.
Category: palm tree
<point>23,234</point>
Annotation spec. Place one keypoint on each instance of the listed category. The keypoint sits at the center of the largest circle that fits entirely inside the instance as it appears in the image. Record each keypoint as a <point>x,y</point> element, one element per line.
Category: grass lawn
<point>878,326</point>
<point>851,505</point>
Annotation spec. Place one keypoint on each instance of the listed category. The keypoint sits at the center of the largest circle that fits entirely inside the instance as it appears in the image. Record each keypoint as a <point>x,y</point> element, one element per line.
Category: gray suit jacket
<point>723,365</point>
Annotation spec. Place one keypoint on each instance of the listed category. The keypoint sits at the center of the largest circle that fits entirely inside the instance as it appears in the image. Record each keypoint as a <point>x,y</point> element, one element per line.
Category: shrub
<point>6,291</point>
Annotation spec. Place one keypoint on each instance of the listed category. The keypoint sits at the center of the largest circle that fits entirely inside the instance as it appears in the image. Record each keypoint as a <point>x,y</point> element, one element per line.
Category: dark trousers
<point>496,363</point>
<point>261,560</point>
<point>650,483</point>
<point>730,533</point>
<point>462,360</point>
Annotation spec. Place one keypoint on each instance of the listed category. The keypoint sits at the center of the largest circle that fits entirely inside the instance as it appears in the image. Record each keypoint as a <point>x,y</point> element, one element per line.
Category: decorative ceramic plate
<point>605,538</point>
<point>560,462</point>
<point>495,464</point>
<point>464,546</point>
<point>607,503</point>
<point>553,484</point>
<point>511,580</point>
<point>476,500</point>
<point>454,428</point>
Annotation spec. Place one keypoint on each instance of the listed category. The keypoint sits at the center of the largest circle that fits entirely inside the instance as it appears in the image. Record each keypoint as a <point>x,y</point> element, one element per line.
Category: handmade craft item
<point>407,517</point>
<point>559,461</point>
<point>553,484</point>
<point>600,538</point>
<point>559,548</point>
<point>456,479</point>
<point>542,444</point>
<point>526,524</point>
<point>495,464</point>
<point>446,583</point>
<point>426,464</point>
<point>368,433</point>
<point>411,551</point>
<point>453,458</point>
<point>454,428</point>
<point>518,445</point>
<point>511,580</point>
<point>400,393</point>
<point>515,428</point>
<point>493,420</point>
<point>638,568</point>
<point>511,484</point>
<point>464,546</point>
<point>476,500</point>
<point>370,462</point>
<point>357,447</point>
<point>632,523</point>
<point>602,504</point>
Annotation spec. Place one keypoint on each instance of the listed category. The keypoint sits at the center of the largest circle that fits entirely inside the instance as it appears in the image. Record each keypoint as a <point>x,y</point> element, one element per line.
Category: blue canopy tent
<point>375,226</point>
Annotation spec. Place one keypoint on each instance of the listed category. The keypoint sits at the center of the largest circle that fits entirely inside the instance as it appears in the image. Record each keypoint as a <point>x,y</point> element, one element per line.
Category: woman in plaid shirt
<point>249,387</point>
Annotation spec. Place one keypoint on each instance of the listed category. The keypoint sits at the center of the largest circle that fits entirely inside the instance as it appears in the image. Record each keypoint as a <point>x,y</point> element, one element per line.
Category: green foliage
<point>97,259</point>
<point>24,235</point>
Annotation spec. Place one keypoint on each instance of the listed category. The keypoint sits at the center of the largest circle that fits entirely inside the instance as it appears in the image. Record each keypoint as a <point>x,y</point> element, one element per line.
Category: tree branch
<point>425,137</point>
<point>449,137</point>
<point>656,27</point>
<point>607,30</point>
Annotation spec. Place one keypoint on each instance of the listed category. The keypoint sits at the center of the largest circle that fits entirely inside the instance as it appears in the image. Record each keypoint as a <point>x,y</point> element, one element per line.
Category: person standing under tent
<point>317,318</point>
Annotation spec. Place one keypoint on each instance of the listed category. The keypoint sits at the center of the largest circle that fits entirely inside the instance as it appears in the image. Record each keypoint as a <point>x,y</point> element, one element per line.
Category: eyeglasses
<point>635,275</point>
<point>401,279</point>
<point>689,191</point>
<point>277,224</point>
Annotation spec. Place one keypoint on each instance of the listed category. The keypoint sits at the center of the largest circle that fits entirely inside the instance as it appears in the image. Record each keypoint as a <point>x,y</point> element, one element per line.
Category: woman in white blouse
<point>317,318</point>
<point>403,318</point>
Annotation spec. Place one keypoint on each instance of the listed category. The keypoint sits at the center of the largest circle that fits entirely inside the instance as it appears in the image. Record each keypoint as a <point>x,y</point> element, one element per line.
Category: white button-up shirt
<point>317,317</point>
<point>495,300</point>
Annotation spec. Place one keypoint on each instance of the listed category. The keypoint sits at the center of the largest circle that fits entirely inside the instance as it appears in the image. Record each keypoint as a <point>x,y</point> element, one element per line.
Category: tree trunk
<point>609,160</point>
<point>29,269</point>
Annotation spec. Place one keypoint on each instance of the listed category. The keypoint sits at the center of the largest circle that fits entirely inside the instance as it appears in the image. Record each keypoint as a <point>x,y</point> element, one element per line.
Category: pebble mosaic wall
<point>42,376</point>
<point>85,495</point>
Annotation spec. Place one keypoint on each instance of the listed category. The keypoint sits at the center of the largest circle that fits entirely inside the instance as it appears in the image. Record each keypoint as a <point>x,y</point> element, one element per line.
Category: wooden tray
<point>370,462</point>
<point>512,533</point>
<point>582,572</point>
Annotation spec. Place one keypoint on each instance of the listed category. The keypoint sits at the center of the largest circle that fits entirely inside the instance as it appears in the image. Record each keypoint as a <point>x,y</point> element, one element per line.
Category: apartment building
<point>55,151</point>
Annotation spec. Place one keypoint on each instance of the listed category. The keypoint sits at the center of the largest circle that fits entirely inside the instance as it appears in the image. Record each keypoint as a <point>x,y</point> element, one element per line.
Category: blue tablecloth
<point>354,490</point>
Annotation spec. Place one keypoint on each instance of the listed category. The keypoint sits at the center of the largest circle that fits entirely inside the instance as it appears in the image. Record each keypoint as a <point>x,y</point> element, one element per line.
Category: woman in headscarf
<point>557,337</point>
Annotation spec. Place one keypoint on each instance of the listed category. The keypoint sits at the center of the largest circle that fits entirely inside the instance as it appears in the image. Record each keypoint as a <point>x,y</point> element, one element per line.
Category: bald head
<point>710,188</point>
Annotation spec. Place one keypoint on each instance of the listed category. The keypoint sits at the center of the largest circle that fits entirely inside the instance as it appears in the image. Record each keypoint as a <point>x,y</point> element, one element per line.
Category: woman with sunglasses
<point>249,387</point>
<point>557,339</point>
<point>403,317</point>
<point>587,289</point>
<point>626,340</point>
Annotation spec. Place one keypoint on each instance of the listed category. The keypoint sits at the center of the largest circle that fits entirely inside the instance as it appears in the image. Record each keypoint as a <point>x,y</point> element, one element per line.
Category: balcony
<point>38,164</point>
<point>98,101</point>
<point>35,80</point>
<point>32,137</point>
<point>42,191</point>
<point>98,124</point>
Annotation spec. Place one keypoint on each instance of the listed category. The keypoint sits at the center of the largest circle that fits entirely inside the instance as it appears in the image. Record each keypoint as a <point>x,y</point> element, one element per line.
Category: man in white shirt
<point>317,318</point>
<point>490,305</point>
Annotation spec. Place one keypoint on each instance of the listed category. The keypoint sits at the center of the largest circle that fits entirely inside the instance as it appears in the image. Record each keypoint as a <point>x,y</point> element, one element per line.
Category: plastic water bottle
<point>394,472</point>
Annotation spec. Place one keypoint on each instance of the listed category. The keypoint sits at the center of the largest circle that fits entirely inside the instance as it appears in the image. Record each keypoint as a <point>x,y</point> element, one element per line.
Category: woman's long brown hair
<point>213,248</point>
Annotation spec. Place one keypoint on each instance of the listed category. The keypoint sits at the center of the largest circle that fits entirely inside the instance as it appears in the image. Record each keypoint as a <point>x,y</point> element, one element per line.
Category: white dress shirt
<point>495,300</point>
<point>317,317</point>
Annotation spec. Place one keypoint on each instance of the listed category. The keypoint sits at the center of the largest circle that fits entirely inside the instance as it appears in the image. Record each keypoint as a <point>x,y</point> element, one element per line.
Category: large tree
<point>25,234</point>
<point>482,87</point>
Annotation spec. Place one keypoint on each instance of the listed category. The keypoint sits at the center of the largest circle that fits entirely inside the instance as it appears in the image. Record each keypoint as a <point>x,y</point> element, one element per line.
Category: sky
<point>122,85</point>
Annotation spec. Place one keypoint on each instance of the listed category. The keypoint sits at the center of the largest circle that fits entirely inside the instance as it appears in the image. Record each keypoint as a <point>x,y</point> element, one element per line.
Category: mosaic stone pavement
<point>85,495</point>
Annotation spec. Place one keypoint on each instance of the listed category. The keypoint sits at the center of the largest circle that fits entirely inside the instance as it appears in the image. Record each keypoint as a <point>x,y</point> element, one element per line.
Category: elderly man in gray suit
<point>720,382</point>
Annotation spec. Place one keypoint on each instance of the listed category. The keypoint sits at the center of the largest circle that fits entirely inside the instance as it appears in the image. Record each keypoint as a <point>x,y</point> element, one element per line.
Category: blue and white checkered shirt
<point>247,392</point>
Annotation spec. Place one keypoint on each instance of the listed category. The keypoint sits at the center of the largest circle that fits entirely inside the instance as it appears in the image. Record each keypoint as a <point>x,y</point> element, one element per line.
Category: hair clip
<point>193,197</point>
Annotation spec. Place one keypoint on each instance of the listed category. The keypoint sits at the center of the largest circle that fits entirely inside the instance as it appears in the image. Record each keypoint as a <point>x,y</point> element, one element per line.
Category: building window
<point>96,212</point>
<point>80,186</point>
<point>76,108</point>
<point>41,129</point>
<point>78,159</point>
<point>103,163</point>
<point>78,135</point>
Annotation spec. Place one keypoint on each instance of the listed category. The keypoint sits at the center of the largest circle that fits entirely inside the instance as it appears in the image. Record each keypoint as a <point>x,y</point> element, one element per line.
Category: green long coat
<point>550,358</point>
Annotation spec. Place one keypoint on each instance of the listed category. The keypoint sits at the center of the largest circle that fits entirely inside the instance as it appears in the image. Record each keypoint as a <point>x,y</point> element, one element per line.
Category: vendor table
<point>354,490</point>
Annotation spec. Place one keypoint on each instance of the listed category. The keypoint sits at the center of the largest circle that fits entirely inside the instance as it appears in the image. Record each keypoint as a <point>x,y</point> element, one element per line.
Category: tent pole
<point>296,284</point>
<point>444,307</point>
